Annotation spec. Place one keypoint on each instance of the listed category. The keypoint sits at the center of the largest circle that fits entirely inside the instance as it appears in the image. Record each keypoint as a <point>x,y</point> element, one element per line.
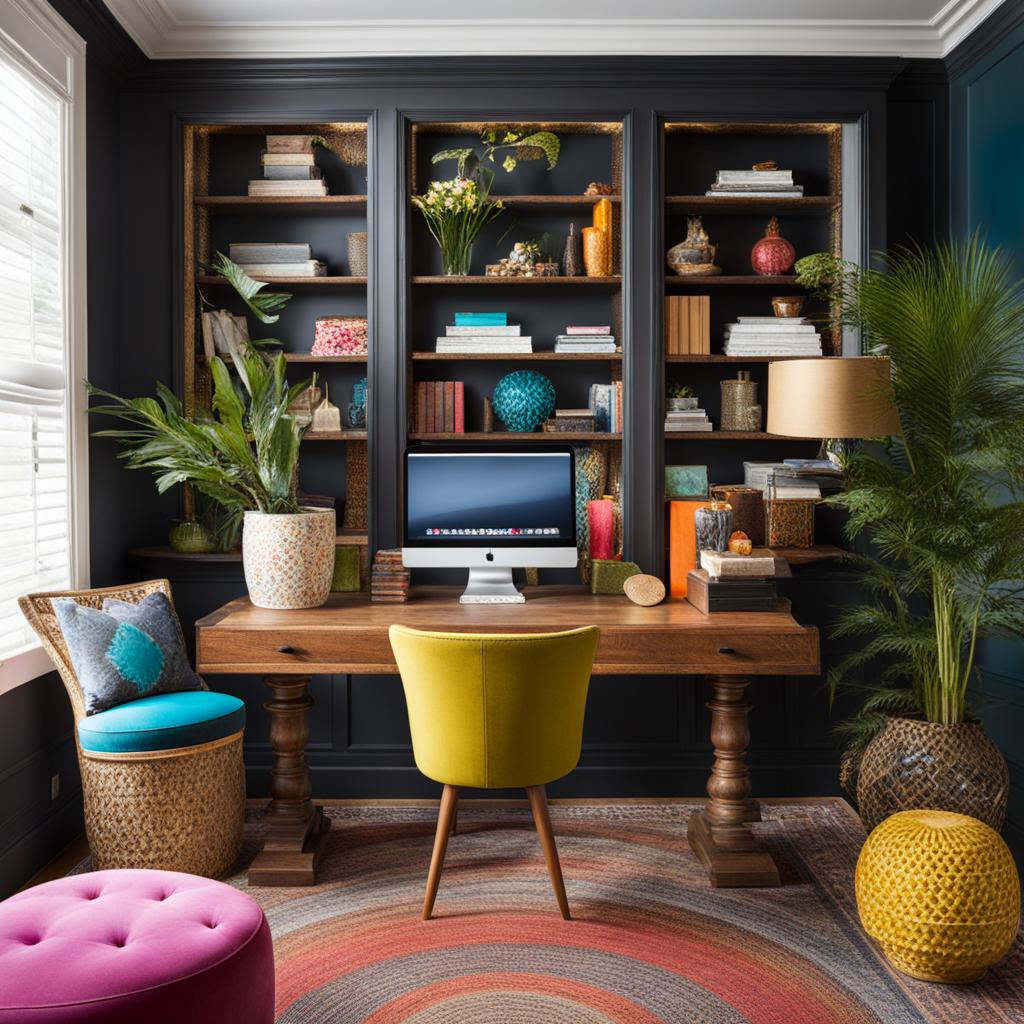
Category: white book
<point>773,320</point>
<point>307,268</point>
<point>756,344</point>
<point>581,329</point>
<point>285,187</point>
<point>689,414</point>
<point>454,331</point>
<point>744,176</point>
<point>498,341</point>
<point>485,347</point>
<point>583,339</point>
<point>736,193</point>
<point>583,349</point>
<point>781,325</point>
<point>269,252</point>
<point>287,159</point>
<point>689,428</point>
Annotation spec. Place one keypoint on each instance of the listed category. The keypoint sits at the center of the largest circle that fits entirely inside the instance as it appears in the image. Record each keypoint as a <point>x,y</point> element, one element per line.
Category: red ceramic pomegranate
<point>773,254</point>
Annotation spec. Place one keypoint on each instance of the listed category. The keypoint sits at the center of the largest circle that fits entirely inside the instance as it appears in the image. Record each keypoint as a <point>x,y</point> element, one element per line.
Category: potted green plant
<point>679,397</point>
<point>242,453</point>
<point>942,509</point>
<point>457,210</point>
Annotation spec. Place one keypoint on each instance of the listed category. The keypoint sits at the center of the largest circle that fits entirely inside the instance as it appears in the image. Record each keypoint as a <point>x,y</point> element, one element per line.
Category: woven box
<point>346,578</point>
<point>607,575</point>
<point>686,481</point>
<point>789,522</point>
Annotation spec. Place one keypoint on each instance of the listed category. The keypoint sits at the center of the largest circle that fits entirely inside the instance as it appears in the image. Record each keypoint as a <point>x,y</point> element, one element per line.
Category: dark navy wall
<point>987,157</point>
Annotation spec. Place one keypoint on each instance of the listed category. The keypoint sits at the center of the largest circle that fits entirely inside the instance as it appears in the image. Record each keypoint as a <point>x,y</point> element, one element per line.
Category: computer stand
<point>491,585</point>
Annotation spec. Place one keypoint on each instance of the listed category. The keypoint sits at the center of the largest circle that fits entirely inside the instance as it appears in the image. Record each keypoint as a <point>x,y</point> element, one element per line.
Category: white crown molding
<point>162,36</point>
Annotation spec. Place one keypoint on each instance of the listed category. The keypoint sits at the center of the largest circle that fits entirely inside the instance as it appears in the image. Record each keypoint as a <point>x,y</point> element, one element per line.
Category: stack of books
<point>389,579</point>
<point>787,484</point>
<point>687,421</point>
<point>585,339</point>
<point>771,336</point>
<point>440,407</point>
<point>576,421</point>
<point>688,325</point>
<point>276,259</point>
<point>289,168</point>
<point>606,405</point>
<point>767,184</point>
<point>481,333</point>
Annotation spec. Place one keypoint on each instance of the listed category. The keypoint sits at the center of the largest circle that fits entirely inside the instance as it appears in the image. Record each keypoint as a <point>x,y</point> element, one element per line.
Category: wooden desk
<point>350,635</point>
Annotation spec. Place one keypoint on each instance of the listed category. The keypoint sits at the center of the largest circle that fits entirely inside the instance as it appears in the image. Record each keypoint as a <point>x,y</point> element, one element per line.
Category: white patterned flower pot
<point>288,559</point>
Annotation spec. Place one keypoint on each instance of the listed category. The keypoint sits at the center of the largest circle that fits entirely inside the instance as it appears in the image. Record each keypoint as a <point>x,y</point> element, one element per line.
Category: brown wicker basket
<point>737,397</point>
<point>912,764</point>
<point>789,522</point>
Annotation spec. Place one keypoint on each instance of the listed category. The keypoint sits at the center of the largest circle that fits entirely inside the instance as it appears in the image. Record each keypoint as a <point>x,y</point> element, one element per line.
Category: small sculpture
<point>695,255</point>
<point>773,254</point>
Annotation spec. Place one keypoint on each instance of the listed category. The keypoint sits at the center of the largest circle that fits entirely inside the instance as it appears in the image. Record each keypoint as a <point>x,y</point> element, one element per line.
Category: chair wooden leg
<point>455,817</point>
<point>539,805</point>
<point>445,816</point>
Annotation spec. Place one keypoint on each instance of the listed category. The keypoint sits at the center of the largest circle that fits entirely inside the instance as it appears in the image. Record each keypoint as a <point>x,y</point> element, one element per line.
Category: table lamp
<point>832,398</point>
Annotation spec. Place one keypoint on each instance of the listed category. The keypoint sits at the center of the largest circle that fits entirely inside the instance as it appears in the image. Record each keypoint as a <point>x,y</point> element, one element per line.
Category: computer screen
<point>469,498</point>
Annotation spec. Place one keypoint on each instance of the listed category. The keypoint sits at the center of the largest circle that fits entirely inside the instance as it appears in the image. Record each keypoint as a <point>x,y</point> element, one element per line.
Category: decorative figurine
<point>695,255</point>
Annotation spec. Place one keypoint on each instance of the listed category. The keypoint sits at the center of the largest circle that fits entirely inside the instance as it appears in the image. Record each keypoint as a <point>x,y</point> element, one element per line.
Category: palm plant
<point>942,507</point>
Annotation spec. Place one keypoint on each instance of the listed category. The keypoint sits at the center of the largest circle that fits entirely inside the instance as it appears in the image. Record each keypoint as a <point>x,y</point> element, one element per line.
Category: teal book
<point>686,481</point>
<point>481,319</point>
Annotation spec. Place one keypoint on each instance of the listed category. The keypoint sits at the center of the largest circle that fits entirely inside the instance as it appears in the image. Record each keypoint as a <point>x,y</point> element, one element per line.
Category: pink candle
<point>602,528</point>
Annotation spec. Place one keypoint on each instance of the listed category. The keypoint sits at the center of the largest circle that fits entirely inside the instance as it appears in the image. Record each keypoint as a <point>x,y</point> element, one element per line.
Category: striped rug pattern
<point>650,942</point>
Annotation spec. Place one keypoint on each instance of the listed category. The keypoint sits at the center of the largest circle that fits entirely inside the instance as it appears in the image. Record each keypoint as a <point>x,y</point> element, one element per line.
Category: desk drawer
<point>629,651</point>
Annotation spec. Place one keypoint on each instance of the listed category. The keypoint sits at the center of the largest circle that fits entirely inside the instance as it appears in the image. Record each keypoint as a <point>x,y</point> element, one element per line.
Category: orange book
<point>694,346</point>
<point>682,544</point>
<point>670,323</point>
<point>705,325</point>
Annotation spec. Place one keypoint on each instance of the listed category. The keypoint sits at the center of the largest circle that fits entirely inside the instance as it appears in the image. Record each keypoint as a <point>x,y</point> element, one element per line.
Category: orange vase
<point>682,543</point>
<point>597,252</point>
<point>603,211</point>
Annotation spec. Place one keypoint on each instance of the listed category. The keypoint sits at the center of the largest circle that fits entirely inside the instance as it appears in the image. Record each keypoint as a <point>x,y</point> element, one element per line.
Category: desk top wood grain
<point>349,633</point>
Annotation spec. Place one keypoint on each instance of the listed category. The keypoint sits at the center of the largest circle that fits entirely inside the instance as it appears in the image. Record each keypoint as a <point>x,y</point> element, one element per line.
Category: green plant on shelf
<point>676,390</point>
<point>943,504</point>
<point>457,210</point>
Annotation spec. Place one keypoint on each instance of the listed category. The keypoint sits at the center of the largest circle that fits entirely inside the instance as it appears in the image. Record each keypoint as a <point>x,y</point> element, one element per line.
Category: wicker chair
<point>173,810</point>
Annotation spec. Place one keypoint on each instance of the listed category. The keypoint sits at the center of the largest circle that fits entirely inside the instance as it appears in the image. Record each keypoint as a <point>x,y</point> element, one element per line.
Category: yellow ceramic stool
<point>495,711</point>
<point>939,893</point>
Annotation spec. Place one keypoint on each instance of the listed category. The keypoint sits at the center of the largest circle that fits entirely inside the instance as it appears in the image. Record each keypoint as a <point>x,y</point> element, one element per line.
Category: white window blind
<point>35,468</point>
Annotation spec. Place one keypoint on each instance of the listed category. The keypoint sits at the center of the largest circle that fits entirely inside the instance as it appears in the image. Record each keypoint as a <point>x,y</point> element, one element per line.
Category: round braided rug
<point>650,941</point>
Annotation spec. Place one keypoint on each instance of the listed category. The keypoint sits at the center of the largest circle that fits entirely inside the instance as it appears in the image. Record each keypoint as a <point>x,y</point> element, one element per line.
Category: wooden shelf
<point>316,204</point>
<point>737,359</point>
<point>300,357</point>
<point>741,280</point>
<point>552,201</point>
<point>517,357</point>
<point>733,435</point>
<point>508,435</point>
<point>806,556</point>
<point>314,282</point>
<point>346,537</point>
<point>517,281</point>
<point>335,435</point>
<point>751,204</point>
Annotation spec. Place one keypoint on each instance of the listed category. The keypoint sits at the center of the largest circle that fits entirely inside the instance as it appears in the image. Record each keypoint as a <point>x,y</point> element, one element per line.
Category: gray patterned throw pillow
<point>126,651</point>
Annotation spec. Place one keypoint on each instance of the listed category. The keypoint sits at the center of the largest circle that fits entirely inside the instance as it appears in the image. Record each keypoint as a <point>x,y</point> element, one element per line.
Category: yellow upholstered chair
<point>175,805</point>
<point>495,711</point>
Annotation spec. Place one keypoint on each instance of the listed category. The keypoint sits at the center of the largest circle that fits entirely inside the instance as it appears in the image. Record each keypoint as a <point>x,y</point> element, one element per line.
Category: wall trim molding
<point>162,35</point>
<point>986,36</point>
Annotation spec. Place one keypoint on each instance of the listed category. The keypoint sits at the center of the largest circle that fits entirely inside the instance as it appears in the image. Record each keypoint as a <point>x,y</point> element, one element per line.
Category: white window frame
<point>47,48</point>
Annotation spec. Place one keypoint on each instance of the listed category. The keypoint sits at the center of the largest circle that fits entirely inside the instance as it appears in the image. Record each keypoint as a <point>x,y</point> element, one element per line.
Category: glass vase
<point>455,260</point>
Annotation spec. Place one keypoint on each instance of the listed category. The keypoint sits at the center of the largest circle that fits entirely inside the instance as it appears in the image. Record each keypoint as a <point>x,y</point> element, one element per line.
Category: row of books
<point>688,325</point>
<point>770,184</point>
<point>606,405</point>
<point>771,336</point>
<point>470,333</point>
<point>687,421</point>
<point>276,259</point>
<point>440,407</point>
<point>289,168</point>
<point>585,338</point>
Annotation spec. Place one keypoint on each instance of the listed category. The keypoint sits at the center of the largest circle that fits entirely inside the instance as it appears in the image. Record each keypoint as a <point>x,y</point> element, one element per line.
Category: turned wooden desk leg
<point>296,828</point>
<point>719,834</point>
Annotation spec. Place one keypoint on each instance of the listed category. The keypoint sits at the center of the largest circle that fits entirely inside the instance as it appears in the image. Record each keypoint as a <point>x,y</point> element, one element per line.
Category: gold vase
<point>597,252</point>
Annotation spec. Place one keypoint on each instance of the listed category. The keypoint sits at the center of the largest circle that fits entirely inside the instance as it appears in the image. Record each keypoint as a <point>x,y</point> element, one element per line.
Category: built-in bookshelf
<point>219,162</point>
<point>540,204</point>
<point>693,153</point>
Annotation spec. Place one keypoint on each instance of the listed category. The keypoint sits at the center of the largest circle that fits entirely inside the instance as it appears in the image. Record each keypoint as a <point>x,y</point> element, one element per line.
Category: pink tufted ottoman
<point>135,947</point>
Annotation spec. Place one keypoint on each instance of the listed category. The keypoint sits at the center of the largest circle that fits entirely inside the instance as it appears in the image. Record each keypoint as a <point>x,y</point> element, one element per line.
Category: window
<point>43,540</point>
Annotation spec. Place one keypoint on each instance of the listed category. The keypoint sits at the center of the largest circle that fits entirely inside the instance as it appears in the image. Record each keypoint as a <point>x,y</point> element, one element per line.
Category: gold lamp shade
<point>824,398</point>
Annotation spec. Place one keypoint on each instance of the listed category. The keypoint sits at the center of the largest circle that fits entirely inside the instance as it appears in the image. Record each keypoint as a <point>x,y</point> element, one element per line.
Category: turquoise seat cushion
<point>162,722</point>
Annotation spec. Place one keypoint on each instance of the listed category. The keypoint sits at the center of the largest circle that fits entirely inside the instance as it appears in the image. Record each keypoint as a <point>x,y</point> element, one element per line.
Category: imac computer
<point>490,509</point>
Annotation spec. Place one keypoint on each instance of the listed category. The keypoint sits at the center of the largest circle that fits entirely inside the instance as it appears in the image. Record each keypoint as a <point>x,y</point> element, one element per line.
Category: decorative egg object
<point>644,590</point>
<point>773,255</point>
<point>523,400</point>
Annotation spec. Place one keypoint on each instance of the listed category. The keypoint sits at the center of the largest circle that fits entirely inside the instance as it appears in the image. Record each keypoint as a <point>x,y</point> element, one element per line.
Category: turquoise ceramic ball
<point>523,400</point>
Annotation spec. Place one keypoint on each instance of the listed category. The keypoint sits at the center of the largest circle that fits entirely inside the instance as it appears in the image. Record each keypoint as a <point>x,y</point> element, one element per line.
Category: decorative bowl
<point>788,305</point>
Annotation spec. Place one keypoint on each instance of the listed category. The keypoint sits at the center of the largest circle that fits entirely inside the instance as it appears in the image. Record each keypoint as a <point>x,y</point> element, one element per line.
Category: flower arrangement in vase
<point>457,210</point>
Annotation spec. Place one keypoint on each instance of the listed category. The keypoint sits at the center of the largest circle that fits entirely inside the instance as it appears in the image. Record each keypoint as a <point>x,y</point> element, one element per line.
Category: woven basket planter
<point>912,764</point>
